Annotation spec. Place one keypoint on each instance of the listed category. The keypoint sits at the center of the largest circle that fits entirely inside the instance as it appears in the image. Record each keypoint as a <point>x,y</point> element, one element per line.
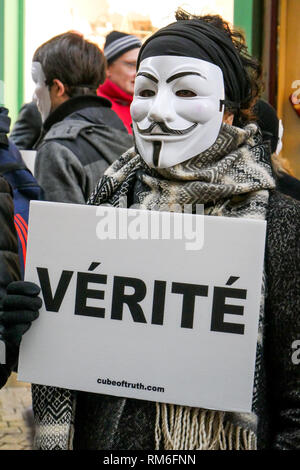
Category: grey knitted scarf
<point>232,179</point>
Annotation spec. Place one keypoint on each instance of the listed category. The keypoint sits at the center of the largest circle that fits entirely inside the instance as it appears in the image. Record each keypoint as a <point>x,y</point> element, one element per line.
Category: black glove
<point>20,307</point>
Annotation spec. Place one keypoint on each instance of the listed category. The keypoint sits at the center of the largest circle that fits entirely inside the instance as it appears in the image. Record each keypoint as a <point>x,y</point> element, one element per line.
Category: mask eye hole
<point>147,93</point>
<point>185,93</point>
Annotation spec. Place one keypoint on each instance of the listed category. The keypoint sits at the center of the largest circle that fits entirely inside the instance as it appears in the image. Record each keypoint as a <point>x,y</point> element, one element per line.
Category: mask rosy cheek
<point>139,110</point>
<point>200,111</point>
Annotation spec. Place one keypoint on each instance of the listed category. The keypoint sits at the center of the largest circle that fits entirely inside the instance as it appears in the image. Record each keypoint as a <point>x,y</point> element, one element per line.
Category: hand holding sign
<point>20,309</point>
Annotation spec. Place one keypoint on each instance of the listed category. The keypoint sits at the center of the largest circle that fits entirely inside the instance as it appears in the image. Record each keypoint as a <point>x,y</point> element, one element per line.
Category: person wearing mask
<point>121,51</point>
<point>81,135</point>
<point>272,131</point>
<point>196,143</point>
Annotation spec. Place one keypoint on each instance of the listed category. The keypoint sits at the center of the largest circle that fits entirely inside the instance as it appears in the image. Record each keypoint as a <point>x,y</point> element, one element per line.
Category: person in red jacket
<point>121,51</point>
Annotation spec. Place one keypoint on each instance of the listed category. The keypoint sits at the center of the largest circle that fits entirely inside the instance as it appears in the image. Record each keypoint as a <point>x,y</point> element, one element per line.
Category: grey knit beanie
<point>118,43</point>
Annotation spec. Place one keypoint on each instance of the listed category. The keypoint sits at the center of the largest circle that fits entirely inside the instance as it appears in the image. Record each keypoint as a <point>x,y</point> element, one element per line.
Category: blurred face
<point>123,71</point>
<point>177,108</point>
<point>41,95</point>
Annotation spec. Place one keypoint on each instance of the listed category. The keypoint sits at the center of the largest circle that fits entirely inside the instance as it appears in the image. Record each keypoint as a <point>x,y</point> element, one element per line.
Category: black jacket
<point>9,265</point>
<point>279,424</point>
<point>27,128</point>
<point>288,185</point>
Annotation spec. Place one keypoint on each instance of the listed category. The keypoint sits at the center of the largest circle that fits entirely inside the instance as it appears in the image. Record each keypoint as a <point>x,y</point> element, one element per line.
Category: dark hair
<point>268,122</point>
<point>78,64</point>
<point>252,67</point>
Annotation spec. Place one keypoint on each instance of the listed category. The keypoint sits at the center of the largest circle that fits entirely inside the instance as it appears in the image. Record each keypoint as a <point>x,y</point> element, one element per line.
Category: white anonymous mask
<point>280,136</point>
<point>184,95</point>
<point>41,94</point>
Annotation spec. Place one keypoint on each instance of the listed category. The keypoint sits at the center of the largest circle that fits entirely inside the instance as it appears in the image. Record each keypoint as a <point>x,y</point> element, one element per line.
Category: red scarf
<point>120,100</point>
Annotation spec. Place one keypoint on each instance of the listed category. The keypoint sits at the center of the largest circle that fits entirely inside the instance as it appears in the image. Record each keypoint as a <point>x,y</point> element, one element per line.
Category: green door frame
<point>248,15</point>
<point>12,16</point>
<point>21,52</point>
<point>1,52</point>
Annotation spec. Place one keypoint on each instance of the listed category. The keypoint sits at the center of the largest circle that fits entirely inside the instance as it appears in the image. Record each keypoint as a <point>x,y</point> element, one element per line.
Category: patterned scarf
<point>231,179</point>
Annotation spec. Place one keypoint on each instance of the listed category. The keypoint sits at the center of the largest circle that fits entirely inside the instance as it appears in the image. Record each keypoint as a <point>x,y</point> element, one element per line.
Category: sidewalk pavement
<point>16,422</point>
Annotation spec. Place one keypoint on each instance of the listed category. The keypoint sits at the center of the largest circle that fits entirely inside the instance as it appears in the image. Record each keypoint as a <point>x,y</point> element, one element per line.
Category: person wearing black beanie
<point>212,40</point>
<point>121,51</point>
<point>118,43</point>
<point>196,141</point>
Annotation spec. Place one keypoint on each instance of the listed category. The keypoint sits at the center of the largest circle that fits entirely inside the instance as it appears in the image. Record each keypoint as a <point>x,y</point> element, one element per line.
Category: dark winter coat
<point>27,128</point>
<point>9,265</point>
<point>81,139</point>
<point>288,185</point>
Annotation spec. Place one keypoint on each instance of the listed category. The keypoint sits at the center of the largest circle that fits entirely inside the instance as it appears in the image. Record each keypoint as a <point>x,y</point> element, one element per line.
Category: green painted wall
<point>21,49</point>
<point>12,54</point>
<point>248,15</point>
<point>243,18</point>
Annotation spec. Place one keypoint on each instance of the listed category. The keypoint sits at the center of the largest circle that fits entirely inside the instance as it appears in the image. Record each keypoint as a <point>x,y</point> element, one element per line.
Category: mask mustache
<point>165,129</point>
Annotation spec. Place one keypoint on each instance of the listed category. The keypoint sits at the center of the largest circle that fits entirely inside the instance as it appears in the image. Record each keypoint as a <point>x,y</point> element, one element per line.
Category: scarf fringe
<point>186,428</point>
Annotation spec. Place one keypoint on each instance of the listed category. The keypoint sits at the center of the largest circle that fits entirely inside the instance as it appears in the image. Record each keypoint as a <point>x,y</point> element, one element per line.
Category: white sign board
<point>29,157</point>
<point>147,319</point>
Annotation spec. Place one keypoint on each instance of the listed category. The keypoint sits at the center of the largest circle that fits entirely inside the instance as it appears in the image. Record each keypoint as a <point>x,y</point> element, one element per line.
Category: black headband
<point>201,40</point>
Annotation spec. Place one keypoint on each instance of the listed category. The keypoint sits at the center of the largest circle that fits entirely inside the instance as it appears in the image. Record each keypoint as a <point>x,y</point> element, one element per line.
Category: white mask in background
<point>41,94</point>
<point>280,136</point>
<point>183,94</point>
